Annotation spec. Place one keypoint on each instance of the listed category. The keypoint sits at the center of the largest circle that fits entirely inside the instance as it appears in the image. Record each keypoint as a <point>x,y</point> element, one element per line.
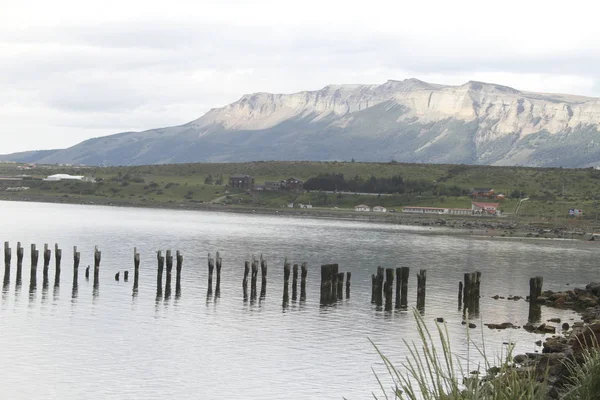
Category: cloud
<point>84,70</point>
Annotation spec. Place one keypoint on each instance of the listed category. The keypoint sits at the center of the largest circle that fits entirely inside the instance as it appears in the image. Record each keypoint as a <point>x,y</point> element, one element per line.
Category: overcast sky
<point>71,70</point>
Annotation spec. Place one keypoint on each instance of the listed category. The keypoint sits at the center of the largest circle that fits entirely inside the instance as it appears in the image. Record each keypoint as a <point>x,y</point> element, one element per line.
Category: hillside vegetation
<point>551,191</point>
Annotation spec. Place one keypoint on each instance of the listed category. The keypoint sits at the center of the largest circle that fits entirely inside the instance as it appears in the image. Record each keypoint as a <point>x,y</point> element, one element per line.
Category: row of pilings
<point>332,280</point>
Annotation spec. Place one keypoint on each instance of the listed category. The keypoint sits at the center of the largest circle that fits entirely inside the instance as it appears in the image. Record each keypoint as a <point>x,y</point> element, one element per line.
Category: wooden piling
<point>159,273</point>
<point>19,263</point>
<point>179,258</point>
<point>295,282</point>
<point>404,289</point>
<point>219,262</point>
<point>7,257</point>
<point>303,274</point>
<point>263,277</point>
<point>117,275</point>
<point>467,290</point>
<point>97,258</point>
<point>253,277</point>
<point>245,281</point>
<point>398,285</point>
<point>76,259</point>
<point>460,294</point>
<point>334,286</point>
<point>136,269</point>
<point>535,289</point>
<point>57,259</point>
<point>47,254</point>
<point>379,286</point>
<point>169,259</point>
<point>125,276</point>
<point>33,274</point>
<point>348,276</point>
<point>325,283</point>
<point>286,282</point>
<point>211,267</point>
<point>340,285</point>
<point>421,282</point>
<point>388,288</point>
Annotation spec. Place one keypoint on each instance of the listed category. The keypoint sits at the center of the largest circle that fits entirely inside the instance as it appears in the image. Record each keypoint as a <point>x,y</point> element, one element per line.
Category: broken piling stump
<point>47,254</point>
<point>117,275</point>
<point>263,277</point>
<point>253,277</point>
<point>179,258</point>
<point>7,257</point>
<point>245,281</point>
<point>57,259</point>
<point>125,275</point>
<point>159,273</point>
<point>211,267</point>
<point>19,263</point>
<point>136,269</point>
<point>76,259</point>
<point>219,263</point>
<point>348,276</point>
<point>404,289</point>
<point>294,282</point>
<point>303,274</point>
<point>97,258</point>
<point>388,288</point>
<point>421,282</point>
<point>169,259</point>
<point>33,272</point>
<point>286,282</point>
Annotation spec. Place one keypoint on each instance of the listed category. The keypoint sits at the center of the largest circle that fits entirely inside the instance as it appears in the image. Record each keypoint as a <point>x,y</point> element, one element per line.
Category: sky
<point>72,70</point>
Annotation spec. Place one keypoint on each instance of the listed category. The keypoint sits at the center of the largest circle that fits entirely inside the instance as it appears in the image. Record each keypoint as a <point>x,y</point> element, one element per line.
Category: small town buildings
<point>305,205</point>
<point>437,210</point>
<point>485,208</point>
<point>292,183</point>
<point>241,181</point>
<point>272,185</point>
<point>483,193</point>
<point>362,207</point>
<point>379,209</point>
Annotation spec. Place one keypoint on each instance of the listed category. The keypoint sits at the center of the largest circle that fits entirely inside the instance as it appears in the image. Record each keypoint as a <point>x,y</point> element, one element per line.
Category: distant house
<point>485,208</point>
<point>362,207</point>
<point>483,193</point>
<point>272,185</point>
<point>292,183</point>
<point>241,181</point>
<point>379,209</point>
<point>305,205</point>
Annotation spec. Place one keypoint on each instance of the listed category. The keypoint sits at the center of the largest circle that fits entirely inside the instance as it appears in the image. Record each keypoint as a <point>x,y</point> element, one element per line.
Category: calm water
<point>114,345</point>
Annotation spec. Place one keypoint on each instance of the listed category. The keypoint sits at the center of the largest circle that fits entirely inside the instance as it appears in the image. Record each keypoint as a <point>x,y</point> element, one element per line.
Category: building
<point>305,205</point>
<point>483,193</point>
<point>379,209</point>
<point>67,177</point>
<point>292,183</point>
<point>272,185</point>
<point>362,207</point>
<point>437,210</point>
<point>241,181</point>
<point>485,208</point>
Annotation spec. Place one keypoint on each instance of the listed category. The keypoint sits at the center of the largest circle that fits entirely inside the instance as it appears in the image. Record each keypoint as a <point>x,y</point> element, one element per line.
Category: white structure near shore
<point>379,209</point>
<point>362,207</point>
<point>67,177</point>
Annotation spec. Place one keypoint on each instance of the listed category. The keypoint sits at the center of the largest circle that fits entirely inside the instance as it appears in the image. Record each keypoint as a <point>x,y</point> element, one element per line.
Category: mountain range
<point>405,121</point>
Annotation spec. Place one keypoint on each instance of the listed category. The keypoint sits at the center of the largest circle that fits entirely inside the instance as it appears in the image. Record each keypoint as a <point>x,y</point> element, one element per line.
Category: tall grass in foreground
<point>432,372</point>
<point>583,382</point>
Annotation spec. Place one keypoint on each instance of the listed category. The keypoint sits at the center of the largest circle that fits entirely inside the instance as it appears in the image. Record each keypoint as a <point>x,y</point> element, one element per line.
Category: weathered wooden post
<point>47,254</point>
<point>87,273</point>
<point>388,288</point>
<point>117,276</point>
<point>76,259</point>
<point>159,273</point>
<point>328,272</point>
<point>398,285</point>
<point>169,274</point>
<point>263,277</point>
<point>19,263</point>
<point>303,273</point>
<point>7,257</point>
<point>34,261</point>
<point>460,293</point>
<point>340,285</point>
<point>126,276</point>
<point>245,281</point>
<point>97,258</point>
<point>467,295</point>
<point>404,289</point>
<point>211,267</point>
<point>295,282</point>
<point>535,289</point>
<point>421,281</point>
<point>179,258</point>
<point>324,282</point>
<point>348,276</point>
<point>286,282</point>
<point>136,269</point>
<point>219,262</point>
<point>334,285</point>
<point>57,259</point>
<point>253,278</point>
<point>379,286</point>
<point>373,288</point>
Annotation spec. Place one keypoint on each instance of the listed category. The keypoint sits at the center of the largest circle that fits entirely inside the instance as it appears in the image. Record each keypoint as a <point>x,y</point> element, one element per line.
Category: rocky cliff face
<point>410,120</point>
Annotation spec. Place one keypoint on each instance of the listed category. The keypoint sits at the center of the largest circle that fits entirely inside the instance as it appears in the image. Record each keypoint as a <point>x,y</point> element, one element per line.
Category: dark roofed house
<point>241,181</point>
<point>293,183</point>
<point>483,193</point>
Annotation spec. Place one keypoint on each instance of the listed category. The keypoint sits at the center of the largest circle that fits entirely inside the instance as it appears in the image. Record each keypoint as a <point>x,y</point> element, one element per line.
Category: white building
<point>362,207</point>
<point>379,209</point>
<point>67,177</point>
